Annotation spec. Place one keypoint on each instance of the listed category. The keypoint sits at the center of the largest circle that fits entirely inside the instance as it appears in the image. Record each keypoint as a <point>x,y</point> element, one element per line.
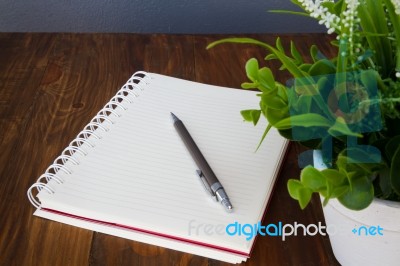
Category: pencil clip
<point>206,186</point>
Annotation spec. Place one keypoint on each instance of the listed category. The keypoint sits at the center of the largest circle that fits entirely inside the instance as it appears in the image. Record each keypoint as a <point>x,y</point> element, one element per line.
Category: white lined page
<point>141,175</point>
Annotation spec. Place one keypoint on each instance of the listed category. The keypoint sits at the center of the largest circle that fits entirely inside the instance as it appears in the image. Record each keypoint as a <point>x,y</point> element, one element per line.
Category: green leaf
<point>302,88</point>
<point>392,146</point>
<point>303,105</point>
<point>299,192</point>
<point>352,161</point>
<point>369,79</point>
<point>322,67</point>
<point>360,195</point>
<point>263,136</point>
<point>324,85</point>
<point>395,171</point>
<point>295,53</point>
<point>247,85</point>
<point>340,128</point>
<point>314,52</point>
<point>251,115</point>
<point>266,78</point>
<point>333,176</point>
<point>329,5</point>
<point>274,102</point>
<point>335,193</point>
<point>373,20</point>
<point>270,57</point>
<point>385,182</point>
<point>367,157</point>
<point>304,120</point>
<point>262,79</point>
<point>279,45</point>
<point>395,22</point>
<point>304,197</point>
<point>339,191</point>
<point>305,67</point>
<point>294,186</point>
<point>338,7</point>
<point>276,115</point>
<point>312,178</point>
<point>282,91</point>
<point>290,12</point>
<point>252,69</point>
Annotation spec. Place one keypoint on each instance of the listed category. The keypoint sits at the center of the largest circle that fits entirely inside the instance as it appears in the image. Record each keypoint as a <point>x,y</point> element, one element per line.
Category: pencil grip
<point>195,152</point>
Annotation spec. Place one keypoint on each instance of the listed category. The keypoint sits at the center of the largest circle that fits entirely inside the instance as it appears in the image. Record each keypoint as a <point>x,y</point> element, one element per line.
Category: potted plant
<point>348,108</point>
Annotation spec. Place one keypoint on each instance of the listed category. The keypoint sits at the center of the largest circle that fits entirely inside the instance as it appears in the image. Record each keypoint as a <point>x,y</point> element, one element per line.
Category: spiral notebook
<point>128,174</point>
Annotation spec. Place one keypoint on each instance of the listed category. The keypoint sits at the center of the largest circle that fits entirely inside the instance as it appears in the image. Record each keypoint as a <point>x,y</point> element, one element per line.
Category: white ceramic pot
<point>367,237</point>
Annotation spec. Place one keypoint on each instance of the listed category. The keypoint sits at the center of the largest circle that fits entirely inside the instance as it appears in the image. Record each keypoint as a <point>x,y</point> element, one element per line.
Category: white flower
<point>316,10</point>
<point>396,4</point>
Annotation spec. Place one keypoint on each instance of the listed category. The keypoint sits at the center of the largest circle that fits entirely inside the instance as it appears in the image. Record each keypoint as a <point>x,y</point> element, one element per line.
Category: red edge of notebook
<point>181,239</point>
<point>132,228</point>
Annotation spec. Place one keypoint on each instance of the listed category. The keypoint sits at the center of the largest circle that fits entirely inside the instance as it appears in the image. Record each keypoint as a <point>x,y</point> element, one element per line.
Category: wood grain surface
<point>52,84</point>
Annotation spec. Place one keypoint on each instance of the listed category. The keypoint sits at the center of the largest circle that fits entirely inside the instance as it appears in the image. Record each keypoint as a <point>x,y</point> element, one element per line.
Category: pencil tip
<point>174,117</point>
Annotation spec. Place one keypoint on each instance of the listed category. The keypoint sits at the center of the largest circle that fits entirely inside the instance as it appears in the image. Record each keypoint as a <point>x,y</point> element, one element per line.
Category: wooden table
<point>51,85</point>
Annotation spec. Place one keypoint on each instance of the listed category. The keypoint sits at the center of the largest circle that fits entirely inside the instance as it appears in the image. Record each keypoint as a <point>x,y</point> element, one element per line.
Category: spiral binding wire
<point>80,145</point>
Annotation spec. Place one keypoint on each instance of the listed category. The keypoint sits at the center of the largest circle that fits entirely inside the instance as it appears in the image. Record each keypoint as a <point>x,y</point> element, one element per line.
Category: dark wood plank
<point>24,61</point>
<point>170,55</point>
<point>68,96</point>
<point>23,58</point>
